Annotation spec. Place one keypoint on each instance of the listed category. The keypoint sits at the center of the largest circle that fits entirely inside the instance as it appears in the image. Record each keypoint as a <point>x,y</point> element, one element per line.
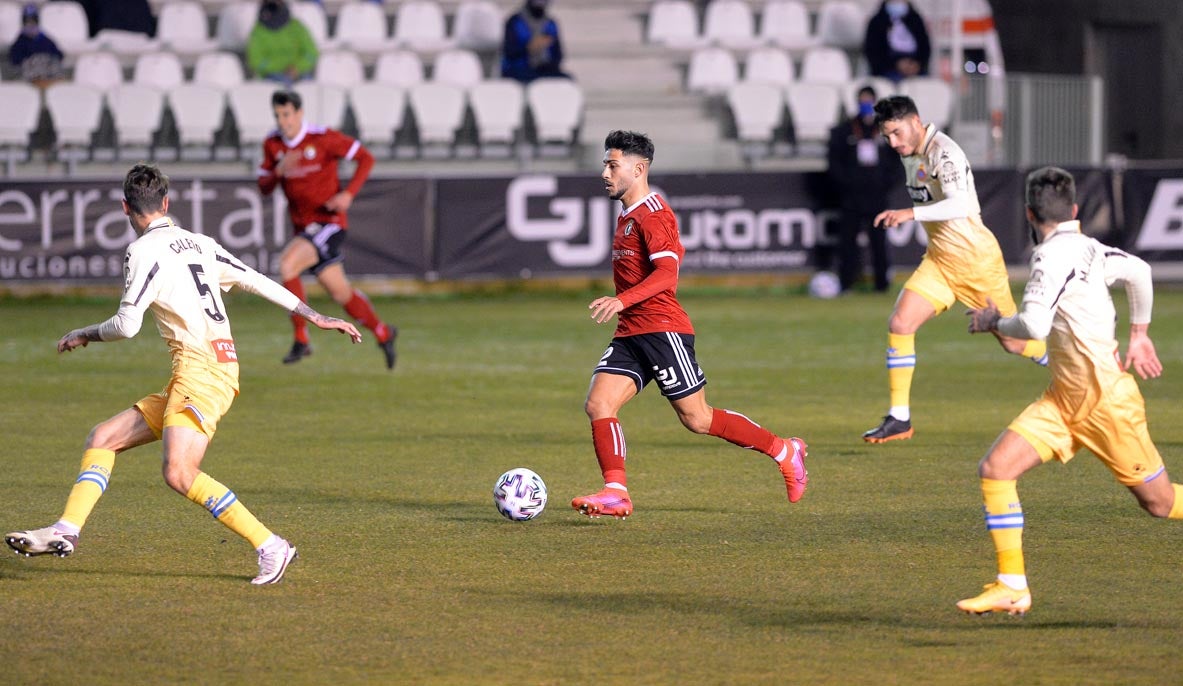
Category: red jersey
<point>315,180</point>
<point>646,252</point>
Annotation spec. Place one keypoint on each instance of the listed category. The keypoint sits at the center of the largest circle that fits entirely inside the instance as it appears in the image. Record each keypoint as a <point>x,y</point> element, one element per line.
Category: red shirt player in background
<point>654,339</point>
<point>302,159</point>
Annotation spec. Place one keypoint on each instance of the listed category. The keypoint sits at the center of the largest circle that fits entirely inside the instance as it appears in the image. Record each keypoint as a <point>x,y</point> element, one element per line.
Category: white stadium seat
<point>933,98</point>
<point>250,104</point>
<point>556,106</point>
<point>498,106</point>
<point>458,67</point>
<point>182,28</point>
<point>769,65</point>
<point>66,24</point>
<point>401,68</point>
<point>842,24</point>
<point>76,111</point>
<point>22,110</point>
<point>323,103</point>
<point>729,23</point>
<point>198,111</point>
<point>340,67</point>
<point>10,22</point>
<point>221,70</point>
<point>99,69</point>
<point>312,16</point>
<point>235,21</point>
<point>127,45</point>
<point>136,111</point>
<point>379,110</point>
<point>786,23</point>
<point>478,25</point>
<point>420,25</point>
<point>758,109</point>
<point>161,70</point>
<point>674,24</point>
<point>712,71</point>
<point>439,112</point>
<point>825,65</point>
<point>361,27</point>
<point>814,109</point>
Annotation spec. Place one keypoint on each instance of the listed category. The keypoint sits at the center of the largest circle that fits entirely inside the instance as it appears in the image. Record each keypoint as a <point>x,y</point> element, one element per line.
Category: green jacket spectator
<point>280,48</point>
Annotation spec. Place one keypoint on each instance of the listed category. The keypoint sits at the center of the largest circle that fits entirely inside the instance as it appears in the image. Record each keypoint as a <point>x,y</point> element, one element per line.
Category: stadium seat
<point>22,111</point>
<point>825,65</point>
<point>769,65</point>
<point>933,98</point>
<point>378,110</point>
<point>312,15</point>
<point>136,110</point>
<point>729,23</point>
<point>66,24</point>
<point>98,69</point>
<point>182,28</point>
<point>712,71</point>
<point>126,45</point>
<point>324,103</point>
<point>221,70</point>
<point>883,88</point>
<point>458,67</point>
<point>814,109</point>
<point>786,23</point>
<point>250,105</point>
<point>401,68</point>
<point>841,24</point>
<point>758,109</point>
<point>674,24</point>
<point>76,111</point>
<point>361,27</point>
<point>10,22</point>
<point>419,25</point>
<point>198,111</point>
<point>340,67</point>
<point>161,70</point>
<point>498,109</point>
<point>478,25</point>
<point>235,21</point>
<point>556,106</point>
<point>439,113</point>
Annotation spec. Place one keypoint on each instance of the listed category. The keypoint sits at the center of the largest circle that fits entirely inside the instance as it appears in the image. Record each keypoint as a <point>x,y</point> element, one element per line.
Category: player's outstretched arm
<point>78,338</point>
<point>325,322</point>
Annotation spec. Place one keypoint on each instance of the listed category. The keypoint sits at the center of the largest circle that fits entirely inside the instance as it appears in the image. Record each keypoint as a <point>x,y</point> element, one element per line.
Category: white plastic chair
<point>235,21</point>
<point>478,25</point>
<point>323,103</point>
<point>182,28</point>
<point>136,110</point>
<point>66,24</point>
<point>221,70</point>
<point>379,110</point>
<point>76,111</point>
<point>769,65</point>
<point>498,109</point>
<point>340,67</point>
<point>361,27</point>
<point>556,106</point>
<point>933,98</point>
<point>98,69</point>
<point>758,109</point>
<point>825,65</point>
<point>22,111</point>
<point>674,24</point>
<point>786,23</point>
<point>458,67</point>
<point>439,112</point>
<point>198,111</point>
<point>729,23</point>
<point>161,70</point>
<point>841,23</point>
<point>10,22</point>
<point>712,71</point>
<point>814,109</point>
<point>250,105</point>
<point>401,68</point>
<point>312,16</point>
<point>419,25</point>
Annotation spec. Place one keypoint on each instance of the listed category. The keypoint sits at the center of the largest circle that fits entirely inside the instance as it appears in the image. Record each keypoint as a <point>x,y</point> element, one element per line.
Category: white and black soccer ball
<point>519,494</point>
<point>825,285</point>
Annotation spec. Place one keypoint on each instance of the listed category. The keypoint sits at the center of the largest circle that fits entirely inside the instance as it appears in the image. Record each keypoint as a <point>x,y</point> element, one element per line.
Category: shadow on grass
<point>29,573</point>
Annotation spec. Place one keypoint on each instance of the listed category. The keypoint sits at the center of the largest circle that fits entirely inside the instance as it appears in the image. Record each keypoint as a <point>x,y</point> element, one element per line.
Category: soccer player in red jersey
<point>302,159</point>
<point>654,339</point>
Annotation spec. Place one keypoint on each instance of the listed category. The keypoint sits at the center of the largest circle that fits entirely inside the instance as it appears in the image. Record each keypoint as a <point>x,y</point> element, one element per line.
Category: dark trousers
<point>850,263</point>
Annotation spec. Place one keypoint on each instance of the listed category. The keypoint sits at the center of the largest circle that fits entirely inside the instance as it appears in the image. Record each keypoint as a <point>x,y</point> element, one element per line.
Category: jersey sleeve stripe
<point>664,253</point>
<point>230,261</point>
<point>144,289</point>
<point>352,150</point>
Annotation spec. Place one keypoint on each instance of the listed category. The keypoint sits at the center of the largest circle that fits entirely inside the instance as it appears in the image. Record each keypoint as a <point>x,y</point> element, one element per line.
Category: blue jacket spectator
<point>531,48</point>
<point>34,53</point>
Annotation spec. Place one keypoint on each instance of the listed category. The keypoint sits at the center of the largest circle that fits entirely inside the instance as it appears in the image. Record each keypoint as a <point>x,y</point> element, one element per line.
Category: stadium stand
<point>65,23</point>
<point>556,106</point>
<point>842,24</point>
<point>98,69</point>
<point>250,106</point>
<point>477,25</point>
<point>221,70</point>
<point>161,70</point>
<point>182,27</point>
<point>439,110</point>
<point>76,112</point>
<point>235,21</point>
<point>769,65</point>
<point>712,71</point>
<point>341,67</point>
<point>312,16</point>
<point>498,109</point>
<point>826,64</point>
<point>730,24</point>
<point>401,68</point>
<point>420,25</point>
<point>199,112</point>
<point>758,110</point>
<point>379,110</point>
<point>933,97</point>
<point>673,24</point>
<point>362,29</point>
<point>813,110</point>
<point>324,103</point>
<point>10,22</point>
<point>136,111</point>
<point>461,68</point>
<point>785,23</point>
<point>22,109</point>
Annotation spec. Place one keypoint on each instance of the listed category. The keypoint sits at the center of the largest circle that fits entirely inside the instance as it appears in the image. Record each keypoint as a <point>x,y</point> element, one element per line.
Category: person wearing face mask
<point>34,53</point>
<point>531,48</point>
<point>280,48</point>
<point>896,44</point>
<point>863,171</point>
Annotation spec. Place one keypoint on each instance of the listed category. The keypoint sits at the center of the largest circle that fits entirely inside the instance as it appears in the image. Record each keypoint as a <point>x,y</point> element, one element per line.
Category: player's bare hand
<point>1141,356</point>
<point>339,202</point>
<point>985,319</point>
<point>75,339</point>
<point>340,325</point>
<point>604,308</point>
<point>889,218</point>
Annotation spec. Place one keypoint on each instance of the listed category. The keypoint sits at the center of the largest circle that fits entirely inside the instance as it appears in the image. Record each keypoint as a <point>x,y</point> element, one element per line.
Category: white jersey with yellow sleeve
<point>180,277</point>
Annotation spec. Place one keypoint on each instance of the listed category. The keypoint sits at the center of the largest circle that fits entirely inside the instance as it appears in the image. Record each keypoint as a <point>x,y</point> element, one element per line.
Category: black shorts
<point>327,239</point>
<point>667,358</point>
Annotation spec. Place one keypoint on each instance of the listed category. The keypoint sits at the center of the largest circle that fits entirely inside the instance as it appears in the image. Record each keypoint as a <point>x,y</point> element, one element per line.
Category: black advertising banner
<point>1152,201</point>
<point>68,231</point>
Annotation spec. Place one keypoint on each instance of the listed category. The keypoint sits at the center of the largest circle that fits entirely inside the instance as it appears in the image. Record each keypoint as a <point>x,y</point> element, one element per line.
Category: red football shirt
<point>315,180</point>
<point>646,252</point>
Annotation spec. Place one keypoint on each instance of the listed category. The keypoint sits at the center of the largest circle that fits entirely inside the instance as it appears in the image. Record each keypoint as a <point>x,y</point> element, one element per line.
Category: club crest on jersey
<point>921,175</point>
<point>628,228</point>
<point>310,152</point>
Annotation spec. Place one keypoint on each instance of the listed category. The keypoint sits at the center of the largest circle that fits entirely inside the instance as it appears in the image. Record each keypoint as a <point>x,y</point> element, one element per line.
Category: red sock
<point>359,308</point>
<point>608,439</point>
<point>738,429</point>
<point>298,323</point>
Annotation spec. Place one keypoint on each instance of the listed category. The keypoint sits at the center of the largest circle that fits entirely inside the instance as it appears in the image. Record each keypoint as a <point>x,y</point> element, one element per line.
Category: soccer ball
<point>825,285</point>
<point>519,494</point>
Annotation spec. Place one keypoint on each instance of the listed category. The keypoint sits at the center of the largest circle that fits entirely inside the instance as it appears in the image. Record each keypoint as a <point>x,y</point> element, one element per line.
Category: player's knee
<point>900,325</point>
<point>102,437</point>
<point>698,423</point>
<point>178,477</point>
<point>597,408</point>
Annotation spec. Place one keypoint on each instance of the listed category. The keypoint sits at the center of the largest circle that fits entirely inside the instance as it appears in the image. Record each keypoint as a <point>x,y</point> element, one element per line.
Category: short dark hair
<point>144,189</point>
<point>894,107</point>
<point>287,97</point>
<point>630,143</point>
<point>1051,193</point>
<point>867,90</point>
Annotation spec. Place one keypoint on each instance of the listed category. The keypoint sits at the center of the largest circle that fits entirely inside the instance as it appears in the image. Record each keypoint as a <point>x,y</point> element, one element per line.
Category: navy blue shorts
<point>327,239</point>
<point>667,358</point>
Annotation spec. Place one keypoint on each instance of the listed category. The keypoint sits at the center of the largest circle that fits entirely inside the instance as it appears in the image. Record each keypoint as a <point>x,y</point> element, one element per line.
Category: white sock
<point>1016,581</point>
<point>617,486</point>
<point>271,542</point>
<point>900,412</point>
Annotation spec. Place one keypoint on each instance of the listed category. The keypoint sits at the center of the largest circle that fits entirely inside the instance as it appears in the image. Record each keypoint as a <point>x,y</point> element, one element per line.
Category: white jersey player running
<point>180,277</point>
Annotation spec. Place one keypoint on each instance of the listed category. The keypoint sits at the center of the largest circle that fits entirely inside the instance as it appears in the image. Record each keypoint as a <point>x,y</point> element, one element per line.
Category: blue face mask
<point>866,109</point>
<point>896,9</point>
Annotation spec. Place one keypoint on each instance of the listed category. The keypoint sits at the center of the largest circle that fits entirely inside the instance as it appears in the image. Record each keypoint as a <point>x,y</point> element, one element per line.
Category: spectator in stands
<point>34,53</point>
<point>896,44</point>
<point>531,49</point>
<point>863,170</point>
<point>125,15</point>
<point>280,48</point>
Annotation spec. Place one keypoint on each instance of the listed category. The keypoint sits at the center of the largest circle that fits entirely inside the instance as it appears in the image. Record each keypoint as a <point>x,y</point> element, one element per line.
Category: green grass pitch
<point>408,575</point>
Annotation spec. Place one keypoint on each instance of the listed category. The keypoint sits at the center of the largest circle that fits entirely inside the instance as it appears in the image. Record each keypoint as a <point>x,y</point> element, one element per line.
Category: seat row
<point>714,70</point>
<point>732,24</point>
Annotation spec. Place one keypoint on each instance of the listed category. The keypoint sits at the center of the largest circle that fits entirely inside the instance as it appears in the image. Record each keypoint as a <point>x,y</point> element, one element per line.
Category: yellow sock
<point>1036,351</point>
<point>224,506</point>
<point>92,482</point>
<point>1004,521</point>
<point>1177,506</point>
<point>901,363</point>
